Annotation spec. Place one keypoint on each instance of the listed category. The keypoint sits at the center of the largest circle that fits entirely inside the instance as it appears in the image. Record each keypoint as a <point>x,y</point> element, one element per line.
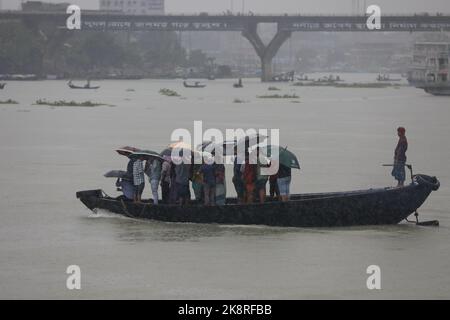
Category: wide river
<point>342,137</point>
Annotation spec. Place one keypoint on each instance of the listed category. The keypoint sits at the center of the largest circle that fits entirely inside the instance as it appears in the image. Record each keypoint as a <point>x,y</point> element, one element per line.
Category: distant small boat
<point>2,85</point>
<point>284,77</point>
<point>86,86</point>
<point>330,79</point>
<point>238,84</point>
<point>386,78</point>
<point>195,85</point>
<point>304,77</point>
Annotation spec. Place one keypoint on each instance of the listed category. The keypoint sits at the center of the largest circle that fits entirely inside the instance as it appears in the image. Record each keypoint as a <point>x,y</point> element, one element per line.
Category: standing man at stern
<point>398,172</point>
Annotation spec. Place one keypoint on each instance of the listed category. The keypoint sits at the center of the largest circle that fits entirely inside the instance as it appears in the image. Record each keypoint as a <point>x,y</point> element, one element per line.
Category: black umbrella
<point>212,146</point>
<point>115,174</point>
<point>126,151</point>
<point>147,155</point>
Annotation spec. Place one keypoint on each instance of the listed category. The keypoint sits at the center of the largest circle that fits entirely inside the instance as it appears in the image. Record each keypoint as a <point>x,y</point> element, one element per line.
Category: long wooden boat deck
<point>362,207</point>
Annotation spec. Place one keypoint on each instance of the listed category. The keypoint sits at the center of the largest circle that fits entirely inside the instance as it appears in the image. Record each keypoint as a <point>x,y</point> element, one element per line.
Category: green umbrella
<point>286,157</point>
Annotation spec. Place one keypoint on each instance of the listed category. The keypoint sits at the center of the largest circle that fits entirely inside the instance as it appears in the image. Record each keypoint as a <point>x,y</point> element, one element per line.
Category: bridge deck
<point>96,20</point>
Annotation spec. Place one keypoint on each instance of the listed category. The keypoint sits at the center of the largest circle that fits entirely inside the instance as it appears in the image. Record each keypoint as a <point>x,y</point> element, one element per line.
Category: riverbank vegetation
<point>64,103</point>
<point>367,85</point>
<point>53,51</point>
<point>239,101</point>
<point>279,96</point>
<point>9,101</point>
<point>169,92</point>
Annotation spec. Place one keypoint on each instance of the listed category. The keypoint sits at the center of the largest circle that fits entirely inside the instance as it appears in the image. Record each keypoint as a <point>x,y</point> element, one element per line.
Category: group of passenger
<point>208,181</point>
<point>251,183</point>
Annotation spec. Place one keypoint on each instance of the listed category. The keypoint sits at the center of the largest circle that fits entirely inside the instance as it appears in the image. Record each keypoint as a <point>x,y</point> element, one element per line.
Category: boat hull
<point>84,88</point>
<point>201,86</point>
<point>366,207</point>
<point>438,91</point>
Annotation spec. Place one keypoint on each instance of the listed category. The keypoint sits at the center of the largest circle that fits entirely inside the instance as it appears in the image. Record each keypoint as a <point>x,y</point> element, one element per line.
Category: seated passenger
<point>127,188</point>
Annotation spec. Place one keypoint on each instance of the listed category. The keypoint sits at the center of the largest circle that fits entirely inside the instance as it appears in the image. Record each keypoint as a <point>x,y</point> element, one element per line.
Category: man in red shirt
<point>398,172</point>
<point>249,177</point>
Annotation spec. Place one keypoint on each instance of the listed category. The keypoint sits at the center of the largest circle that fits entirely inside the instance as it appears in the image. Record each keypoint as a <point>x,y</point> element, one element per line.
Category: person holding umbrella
<point>249,173</point>
<point>153,171</point>
<point>238,181</point>
<point>182,175</point>
<point>287,161</point>
<point>139,172</point>
<point>165,179</point>
<point>127,152</point>
<point>208,172</point>
<point>221,188</point>
<point>273,183</point>
<point>284,182</point>
<point>261,179</point>
<point>138,178</point>
<point>123,184</point>
<point>197,182</point>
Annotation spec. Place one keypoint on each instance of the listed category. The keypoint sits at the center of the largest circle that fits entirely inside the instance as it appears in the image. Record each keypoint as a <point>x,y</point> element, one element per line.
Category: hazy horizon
<point>280,6</point>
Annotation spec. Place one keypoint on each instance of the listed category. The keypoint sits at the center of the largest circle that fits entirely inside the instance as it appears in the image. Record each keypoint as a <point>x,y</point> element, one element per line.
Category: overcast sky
<point>277,6</point>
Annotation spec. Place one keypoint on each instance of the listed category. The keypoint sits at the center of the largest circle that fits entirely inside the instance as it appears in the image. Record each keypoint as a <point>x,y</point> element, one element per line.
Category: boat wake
<point>104,214</point>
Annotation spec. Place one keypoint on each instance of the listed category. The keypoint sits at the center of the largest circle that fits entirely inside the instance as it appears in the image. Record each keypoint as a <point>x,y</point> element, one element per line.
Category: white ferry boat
<point>430,67</point>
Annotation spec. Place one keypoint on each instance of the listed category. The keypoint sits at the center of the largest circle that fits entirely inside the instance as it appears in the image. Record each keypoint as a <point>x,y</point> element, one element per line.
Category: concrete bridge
<point>246,24</point>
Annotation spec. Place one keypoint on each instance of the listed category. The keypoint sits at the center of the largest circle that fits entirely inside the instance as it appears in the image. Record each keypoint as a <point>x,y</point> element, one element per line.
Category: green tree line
<point>50,50</point>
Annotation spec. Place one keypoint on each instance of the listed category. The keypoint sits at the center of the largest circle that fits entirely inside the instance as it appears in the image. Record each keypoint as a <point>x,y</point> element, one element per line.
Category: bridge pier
<point>265,52</point>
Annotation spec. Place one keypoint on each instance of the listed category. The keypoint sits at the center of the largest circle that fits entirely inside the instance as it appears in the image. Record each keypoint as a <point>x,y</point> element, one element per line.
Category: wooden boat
<point>284,77</point>
<point>88,87</point>
<point>329,79</point>
<point>355,208</point>
<point>238,84</point>
<point>195,85</point>
<point>386,78</point>
<point>2,85</point>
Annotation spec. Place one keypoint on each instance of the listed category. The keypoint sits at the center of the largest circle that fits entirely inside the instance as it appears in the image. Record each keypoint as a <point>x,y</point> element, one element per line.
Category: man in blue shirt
<point>153,171</point>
